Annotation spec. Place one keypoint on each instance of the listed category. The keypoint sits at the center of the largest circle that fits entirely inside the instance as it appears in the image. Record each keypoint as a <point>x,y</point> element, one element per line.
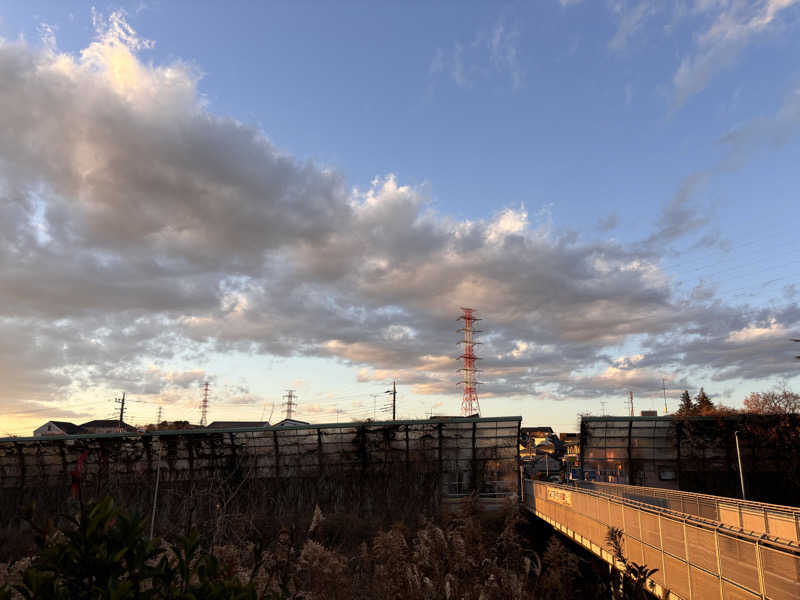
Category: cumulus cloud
<point>137,227</point>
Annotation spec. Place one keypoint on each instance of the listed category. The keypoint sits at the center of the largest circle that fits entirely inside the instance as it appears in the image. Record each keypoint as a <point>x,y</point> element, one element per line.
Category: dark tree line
<point>781,401</point>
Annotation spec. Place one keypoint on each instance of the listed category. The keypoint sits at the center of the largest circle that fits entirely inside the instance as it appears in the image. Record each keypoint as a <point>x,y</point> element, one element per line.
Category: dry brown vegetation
<point>472,555</point>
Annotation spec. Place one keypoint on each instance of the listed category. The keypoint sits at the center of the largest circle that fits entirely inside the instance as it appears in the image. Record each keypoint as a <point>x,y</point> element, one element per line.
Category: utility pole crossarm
<point>393,392</point>
<point>121,402</point>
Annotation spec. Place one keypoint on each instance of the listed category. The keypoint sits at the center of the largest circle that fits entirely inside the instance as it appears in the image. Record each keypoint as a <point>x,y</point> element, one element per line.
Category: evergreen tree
<point>687,406</point>
<point>703,404</point>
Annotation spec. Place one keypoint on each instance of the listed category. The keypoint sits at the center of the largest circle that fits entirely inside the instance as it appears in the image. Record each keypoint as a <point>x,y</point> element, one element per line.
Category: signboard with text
<point>559,495</point>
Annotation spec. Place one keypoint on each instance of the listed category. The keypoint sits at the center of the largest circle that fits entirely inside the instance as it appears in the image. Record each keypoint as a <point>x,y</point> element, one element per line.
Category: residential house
<point>58,428</point>
<point>290,423</point>
<point>572,447</point>
<point>533,436</point>
<point>543,465</point>
<point>530,438</point>
<point>106,426</point>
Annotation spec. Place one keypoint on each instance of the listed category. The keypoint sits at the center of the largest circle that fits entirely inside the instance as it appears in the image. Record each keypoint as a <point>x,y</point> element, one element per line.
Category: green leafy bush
<point>106,554</point>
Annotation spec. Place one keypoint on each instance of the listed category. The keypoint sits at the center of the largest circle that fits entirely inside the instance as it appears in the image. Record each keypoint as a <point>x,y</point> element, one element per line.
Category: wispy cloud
<point>630,20</point>
<point>504,52</point>
<point>735,26</point>
<point>493,52</point>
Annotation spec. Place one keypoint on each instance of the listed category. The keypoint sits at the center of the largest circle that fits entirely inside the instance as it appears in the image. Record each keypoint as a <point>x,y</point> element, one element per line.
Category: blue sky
<point>628,169</point>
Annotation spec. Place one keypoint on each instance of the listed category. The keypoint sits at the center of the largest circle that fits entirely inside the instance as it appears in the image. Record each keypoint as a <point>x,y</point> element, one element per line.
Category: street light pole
<point>739,457</point>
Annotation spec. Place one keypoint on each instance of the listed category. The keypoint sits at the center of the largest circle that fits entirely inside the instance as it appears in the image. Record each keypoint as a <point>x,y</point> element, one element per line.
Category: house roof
<point>290,422</point>
<point>107,423</point>
<point>235,424</point>
<point>67,427</point>
<point>536,429</point>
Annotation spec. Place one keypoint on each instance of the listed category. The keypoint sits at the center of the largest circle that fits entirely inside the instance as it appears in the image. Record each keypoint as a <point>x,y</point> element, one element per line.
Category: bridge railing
<point>696,558</point>
<point>758,517</point>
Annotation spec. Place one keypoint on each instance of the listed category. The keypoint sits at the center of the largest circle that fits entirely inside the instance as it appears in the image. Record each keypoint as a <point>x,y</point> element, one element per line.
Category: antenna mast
<point>469,403</point>
<point>204,405</point>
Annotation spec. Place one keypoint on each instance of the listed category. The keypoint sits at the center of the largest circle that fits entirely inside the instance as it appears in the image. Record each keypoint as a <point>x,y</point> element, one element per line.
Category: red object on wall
<point>76,473</point>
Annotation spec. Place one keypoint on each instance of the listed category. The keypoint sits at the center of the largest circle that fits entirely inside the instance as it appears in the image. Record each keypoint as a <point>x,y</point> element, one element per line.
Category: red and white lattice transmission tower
<point>469,404</point>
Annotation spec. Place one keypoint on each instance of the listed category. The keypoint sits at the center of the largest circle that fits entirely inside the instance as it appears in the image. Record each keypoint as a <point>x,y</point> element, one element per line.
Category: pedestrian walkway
<point>697,557</point>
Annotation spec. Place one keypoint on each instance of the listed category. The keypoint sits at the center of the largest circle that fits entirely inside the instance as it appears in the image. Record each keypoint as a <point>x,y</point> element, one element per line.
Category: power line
<point>121,402</point>
<point>771,235</point>
<point>393,392</point>
<point>91,404</point>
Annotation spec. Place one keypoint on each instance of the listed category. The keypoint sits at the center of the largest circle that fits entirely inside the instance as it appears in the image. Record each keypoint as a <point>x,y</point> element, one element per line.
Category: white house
<point>58,428</point>
<point>290,423</point>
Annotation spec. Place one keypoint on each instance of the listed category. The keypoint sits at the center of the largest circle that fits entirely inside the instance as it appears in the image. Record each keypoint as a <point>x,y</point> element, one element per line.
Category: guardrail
<point>696,558</point>
<point>759,517</point>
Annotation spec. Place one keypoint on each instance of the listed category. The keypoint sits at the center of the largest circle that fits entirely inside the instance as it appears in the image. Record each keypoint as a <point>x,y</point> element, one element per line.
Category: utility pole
<point>290,403</point>
<point>603,407</point>
<point>121,402</point>
<point>204,405</point>
<point>393,392</point>
<point>631,397</point>
<point>374,407</point>
<point>158,418</point>
<point>664,387</point>
<point>739,457</point>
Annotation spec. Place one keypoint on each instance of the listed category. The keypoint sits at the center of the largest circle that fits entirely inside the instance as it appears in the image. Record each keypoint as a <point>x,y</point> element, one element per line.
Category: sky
<point>273,196</point>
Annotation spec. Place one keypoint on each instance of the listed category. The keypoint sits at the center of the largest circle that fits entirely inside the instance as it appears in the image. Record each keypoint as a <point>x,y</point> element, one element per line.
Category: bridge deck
<point>697,558</point>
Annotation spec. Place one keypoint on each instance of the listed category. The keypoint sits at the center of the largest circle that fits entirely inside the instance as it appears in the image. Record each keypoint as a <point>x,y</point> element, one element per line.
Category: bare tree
<point>782,401</point>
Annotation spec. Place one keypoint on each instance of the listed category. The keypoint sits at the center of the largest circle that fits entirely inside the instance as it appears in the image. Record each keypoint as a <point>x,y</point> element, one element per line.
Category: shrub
<point>106,554</point>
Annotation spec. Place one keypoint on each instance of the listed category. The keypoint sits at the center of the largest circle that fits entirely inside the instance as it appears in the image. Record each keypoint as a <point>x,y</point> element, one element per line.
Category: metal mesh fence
<point>758,517</point>
<point>696,558</point>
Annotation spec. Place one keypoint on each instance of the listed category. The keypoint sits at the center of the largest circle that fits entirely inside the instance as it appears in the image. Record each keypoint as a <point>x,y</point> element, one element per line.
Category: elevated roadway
<point>704,547</point>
